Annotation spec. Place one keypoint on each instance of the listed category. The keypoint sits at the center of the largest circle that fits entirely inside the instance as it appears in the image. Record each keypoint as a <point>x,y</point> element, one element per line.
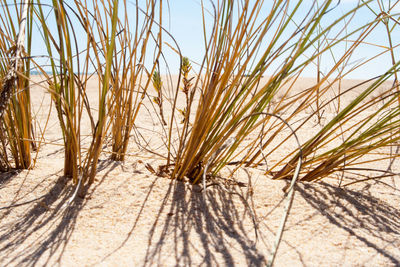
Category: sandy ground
<point>131,217</point>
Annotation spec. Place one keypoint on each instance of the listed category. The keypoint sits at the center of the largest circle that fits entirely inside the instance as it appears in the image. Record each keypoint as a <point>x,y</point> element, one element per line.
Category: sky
<point>185,26</point>
<point>183,20</point>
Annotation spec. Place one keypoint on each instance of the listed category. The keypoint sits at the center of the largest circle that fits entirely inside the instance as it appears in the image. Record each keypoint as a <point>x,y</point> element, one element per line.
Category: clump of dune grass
<point>15,110</point>
<point>239,52</point>
<point>250,40</point>
<point>364,131</point>
<point>64,84</point>
<point>102,39</point>
<point>109,41</point>
<point>129,76</point>
<point>113,53</point>
<point>70,64</point>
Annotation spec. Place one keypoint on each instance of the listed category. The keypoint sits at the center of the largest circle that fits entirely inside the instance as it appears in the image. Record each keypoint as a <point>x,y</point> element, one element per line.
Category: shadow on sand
<point>214,221</point>
<point>6,177</point>
<point>218,224</point>
<point>58,222</point>
<point>372,221</point>
<point>47,214</point>
<point>196,230</point>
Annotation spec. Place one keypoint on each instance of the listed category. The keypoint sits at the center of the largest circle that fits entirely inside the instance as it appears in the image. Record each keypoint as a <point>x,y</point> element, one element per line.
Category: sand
<point>131,217</point>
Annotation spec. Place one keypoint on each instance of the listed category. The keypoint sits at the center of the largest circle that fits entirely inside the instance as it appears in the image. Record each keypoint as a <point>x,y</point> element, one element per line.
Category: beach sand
<point>132,217</point>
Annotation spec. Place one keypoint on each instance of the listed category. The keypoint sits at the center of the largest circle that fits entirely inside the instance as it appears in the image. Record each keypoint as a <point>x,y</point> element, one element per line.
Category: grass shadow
<point>372,221</point>
<point>5,177</point>
<point>45,227</point>
<point>204,228</point>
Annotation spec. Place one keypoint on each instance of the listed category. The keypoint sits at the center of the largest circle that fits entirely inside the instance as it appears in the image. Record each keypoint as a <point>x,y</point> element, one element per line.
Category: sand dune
<point>131,217</point>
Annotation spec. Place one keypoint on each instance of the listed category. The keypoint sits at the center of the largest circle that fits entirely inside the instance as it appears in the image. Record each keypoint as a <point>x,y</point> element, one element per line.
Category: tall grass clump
<point>119,60</point>
<point>364,131</point>
<point>108,44</point>
<point>129,78</point>
<point>249,40</point>
<point>102,39</point>
<point>64,84</point>
<point>96,39</point>
<point>15,107</point>
<point>70,65</point>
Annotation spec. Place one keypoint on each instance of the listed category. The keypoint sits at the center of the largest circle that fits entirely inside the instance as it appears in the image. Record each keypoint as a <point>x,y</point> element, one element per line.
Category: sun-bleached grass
<point>15,110</point>
<point>117,56</point>
<point>242,93</point>
<point>129,76</point>
<point>253,60</point>
<point>345,143</point>
<point>236,59</point>
<point>63,83</point>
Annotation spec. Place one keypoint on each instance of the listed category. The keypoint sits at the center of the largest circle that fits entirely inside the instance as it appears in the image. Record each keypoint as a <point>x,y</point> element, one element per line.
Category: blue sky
<point>185,26</point>
<point>183,19</point>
